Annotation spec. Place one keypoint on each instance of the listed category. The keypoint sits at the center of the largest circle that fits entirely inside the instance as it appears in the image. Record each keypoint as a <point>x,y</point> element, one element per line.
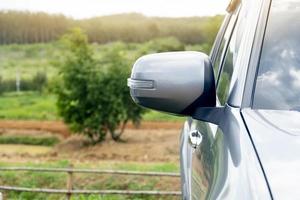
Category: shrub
<point>7,85</point>
<point>39,81</point>
<point>93,98</point>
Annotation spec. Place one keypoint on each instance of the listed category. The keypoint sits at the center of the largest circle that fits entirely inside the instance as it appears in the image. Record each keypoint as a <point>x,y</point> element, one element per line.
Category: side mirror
<point>175,82</point>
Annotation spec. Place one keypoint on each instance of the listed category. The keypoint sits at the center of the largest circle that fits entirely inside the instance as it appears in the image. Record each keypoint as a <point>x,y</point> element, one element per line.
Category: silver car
<point>241,139</point>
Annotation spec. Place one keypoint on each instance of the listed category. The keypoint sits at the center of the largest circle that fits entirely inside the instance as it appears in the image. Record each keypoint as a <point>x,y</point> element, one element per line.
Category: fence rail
<point>93,171</point>
<point>64,191</point>
<point>69,191</point>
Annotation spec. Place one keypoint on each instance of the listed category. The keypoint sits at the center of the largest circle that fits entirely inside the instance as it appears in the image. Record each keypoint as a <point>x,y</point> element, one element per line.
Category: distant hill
<point>37,27</point>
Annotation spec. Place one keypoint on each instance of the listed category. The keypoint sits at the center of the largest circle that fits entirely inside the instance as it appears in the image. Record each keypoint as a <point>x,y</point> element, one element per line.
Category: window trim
<point>252,69</point>
<point>218,41</point>
<point>224,53</point>
<point>225,49</point>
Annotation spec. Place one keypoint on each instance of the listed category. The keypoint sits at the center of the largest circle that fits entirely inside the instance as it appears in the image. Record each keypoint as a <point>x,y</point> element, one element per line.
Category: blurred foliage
<point>115,43</point>
<point>93,97</point>
<point>37,83</point>
<point>46,57</point>
<point>162,45</point>
<point>25,27</point>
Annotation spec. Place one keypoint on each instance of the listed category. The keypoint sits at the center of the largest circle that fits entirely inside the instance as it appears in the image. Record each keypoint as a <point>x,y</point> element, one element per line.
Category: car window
<point>220,46</point>
<point>226,74</point>
<point>223,45</point>
<point>218,58</point>
<point>227,66</point>
<point>278,77</point>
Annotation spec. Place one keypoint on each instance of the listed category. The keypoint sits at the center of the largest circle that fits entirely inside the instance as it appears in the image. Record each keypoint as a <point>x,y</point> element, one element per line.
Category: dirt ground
<point>151,142</point>
<point>60,128</point>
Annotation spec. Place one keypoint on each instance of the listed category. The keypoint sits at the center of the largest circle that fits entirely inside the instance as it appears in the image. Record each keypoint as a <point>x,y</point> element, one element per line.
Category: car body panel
<point>225,165</point>
<point>276,135</point>
<point>185,159</point>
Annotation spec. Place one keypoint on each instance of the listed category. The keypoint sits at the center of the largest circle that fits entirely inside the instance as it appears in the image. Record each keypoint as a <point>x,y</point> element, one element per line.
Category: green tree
<point>38,27</point>
<point>120,102</point>
<point>93,98</point>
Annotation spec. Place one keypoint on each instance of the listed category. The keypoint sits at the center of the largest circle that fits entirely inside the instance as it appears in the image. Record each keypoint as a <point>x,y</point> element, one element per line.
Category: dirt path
<point>139,145</point>
<point>60,128</point>
<point>152,142</point>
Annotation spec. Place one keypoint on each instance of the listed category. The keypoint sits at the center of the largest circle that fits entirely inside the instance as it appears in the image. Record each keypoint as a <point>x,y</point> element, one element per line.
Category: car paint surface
<point>225,165</point>
<point>276,135</point>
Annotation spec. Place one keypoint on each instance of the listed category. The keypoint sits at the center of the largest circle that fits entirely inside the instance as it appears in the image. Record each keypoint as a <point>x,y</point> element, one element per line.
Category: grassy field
<point>31,58</point>
<point>141,150</point>
<point>29,150</point>
<point>90,181</point>
<point>28,105</point>
<point>37,106</point>
<point>27,60</point>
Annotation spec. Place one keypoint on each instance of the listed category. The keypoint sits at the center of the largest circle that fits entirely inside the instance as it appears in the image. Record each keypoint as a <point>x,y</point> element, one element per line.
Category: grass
<point>159,116</point>
<point>28,59</point>
<point>28,140</point>
<point>41,106</point>
<point>89,181</point>
<point>28,105</point>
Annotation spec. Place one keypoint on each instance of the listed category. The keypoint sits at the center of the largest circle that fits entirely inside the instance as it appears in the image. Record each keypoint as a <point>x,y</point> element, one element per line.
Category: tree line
<point>22,27</point>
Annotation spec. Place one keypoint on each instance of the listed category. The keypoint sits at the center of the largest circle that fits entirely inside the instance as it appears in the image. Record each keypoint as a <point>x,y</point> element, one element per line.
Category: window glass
<point>218,58</point>
<point>231,53</point>
<point>227,70</point>
<point>222,47</point>
<point>278,78</point>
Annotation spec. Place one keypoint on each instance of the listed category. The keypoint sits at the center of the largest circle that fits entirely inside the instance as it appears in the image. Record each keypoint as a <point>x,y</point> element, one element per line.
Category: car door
<point>185,148</point>
<point>223,162</point>
<point>208,158</point>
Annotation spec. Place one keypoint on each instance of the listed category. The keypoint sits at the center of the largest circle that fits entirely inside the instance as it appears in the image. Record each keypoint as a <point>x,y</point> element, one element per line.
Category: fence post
<point>70,182</point>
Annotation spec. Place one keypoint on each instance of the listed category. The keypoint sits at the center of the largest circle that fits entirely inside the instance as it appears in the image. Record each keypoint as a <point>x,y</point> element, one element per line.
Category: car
<point>241,139</point>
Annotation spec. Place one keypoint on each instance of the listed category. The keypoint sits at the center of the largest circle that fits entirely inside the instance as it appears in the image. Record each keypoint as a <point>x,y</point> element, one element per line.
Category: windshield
<point>278,80</point>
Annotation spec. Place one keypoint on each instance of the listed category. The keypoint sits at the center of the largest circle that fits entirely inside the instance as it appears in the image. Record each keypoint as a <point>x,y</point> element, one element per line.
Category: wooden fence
<point>69,191</point>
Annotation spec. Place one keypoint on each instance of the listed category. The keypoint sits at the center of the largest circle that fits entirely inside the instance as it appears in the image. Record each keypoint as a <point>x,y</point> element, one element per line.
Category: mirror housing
<point>173,82</point>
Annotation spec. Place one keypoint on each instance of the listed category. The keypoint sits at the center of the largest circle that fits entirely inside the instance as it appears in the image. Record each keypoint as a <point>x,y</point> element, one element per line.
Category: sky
<point>80,9</point>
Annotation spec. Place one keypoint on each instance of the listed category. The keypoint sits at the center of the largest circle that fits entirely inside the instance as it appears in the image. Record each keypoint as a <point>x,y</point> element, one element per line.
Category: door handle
<point>195,138</point>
